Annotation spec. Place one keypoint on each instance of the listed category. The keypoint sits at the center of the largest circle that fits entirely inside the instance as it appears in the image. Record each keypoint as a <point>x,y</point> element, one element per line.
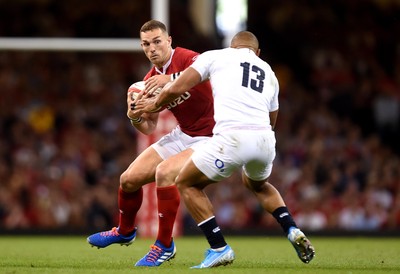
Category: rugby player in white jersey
<point>245,91</point>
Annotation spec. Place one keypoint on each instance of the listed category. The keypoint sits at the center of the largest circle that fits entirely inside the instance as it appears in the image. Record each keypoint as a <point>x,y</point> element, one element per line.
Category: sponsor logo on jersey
<point>179,100</point>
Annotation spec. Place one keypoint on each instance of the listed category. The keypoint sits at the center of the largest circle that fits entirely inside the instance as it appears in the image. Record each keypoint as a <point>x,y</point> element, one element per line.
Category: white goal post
<point>159,10</point>
<point>69,44</point>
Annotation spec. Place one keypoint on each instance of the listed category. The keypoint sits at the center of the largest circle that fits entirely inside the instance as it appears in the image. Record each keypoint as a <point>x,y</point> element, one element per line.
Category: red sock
<point>129,204</point>
<point>168,203</point>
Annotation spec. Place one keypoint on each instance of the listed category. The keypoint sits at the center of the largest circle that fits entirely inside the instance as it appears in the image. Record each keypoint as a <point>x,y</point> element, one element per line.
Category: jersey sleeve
<point>202,64</point>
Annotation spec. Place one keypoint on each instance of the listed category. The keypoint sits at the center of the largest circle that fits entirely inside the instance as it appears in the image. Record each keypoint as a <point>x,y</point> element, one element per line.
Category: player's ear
<point>169,40</point>
<point>258,52</point>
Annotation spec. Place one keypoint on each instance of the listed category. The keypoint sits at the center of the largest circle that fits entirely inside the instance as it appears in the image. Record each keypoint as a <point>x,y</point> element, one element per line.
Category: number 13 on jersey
<point>257,78</point>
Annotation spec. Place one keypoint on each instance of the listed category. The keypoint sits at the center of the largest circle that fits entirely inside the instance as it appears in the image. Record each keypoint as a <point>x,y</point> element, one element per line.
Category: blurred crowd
<point>65,139</point>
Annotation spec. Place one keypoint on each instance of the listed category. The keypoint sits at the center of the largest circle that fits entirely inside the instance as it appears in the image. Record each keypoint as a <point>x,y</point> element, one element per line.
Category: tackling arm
<point>188,79</point>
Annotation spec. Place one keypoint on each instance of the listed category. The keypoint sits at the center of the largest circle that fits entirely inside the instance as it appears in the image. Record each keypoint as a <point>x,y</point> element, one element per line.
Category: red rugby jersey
<point>194,110</point>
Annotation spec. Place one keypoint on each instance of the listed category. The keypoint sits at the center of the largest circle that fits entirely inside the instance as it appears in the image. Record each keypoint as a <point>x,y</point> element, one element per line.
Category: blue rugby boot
<point>106,238</point>
<point>157,255</point>
<point>217,258</point>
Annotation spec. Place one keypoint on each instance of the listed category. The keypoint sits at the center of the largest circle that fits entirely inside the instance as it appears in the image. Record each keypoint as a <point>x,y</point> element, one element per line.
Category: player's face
<point>156,44</point>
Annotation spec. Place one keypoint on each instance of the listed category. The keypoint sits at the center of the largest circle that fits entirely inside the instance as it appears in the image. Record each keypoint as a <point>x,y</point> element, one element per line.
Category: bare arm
<point>156,81</point>
<point>189,78</point>
<point>273,116</point>
<point>146,123</point>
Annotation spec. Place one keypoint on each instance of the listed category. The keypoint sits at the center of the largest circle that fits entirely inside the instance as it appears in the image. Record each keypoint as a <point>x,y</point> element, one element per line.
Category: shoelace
<point>154,253</point>
<point>112,232</point>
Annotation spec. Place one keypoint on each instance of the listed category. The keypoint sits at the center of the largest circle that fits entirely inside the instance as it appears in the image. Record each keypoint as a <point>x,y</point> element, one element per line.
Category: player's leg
<point>168,200</point>
<point>168,195</point>
<point>207,165</point>
<point>271,200</point>
<point>255,172</point>
<point>176,148</point>
<point>140,172</point>
<point>258,154</point>
<point>191,182</point>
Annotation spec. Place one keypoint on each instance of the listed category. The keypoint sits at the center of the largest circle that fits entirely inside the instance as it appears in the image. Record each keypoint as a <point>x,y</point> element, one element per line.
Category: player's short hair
<point>153,24</point>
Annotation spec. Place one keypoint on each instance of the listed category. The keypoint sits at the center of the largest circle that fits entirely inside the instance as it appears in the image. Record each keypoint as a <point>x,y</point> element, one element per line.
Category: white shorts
<point>176,141</point>
<point>253,150</point>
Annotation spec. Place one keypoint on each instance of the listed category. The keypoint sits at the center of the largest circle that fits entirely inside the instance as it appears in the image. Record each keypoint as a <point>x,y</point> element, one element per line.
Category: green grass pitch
<point>72,254</point>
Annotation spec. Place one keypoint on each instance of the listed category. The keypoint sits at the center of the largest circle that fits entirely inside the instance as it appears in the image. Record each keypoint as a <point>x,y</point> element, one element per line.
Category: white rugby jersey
<point>245,88</point>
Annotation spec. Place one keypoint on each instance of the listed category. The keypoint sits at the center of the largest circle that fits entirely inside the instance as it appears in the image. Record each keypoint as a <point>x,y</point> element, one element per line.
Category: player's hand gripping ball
<point>138,87</point>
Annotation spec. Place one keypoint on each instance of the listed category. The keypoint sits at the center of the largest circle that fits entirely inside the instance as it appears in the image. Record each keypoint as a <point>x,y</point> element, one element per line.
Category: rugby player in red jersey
<point>162,160</point>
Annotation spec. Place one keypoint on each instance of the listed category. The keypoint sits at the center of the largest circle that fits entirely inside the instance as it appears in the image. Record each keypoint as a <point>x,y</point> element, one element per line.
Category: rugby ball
<point>138,87</point>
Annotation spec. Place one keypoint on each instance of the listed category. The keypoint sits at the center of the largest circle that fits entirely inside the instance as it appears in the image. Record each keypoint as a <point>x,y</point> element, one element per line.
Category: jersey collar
<point>165,67</point>
<point>244,48</point>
